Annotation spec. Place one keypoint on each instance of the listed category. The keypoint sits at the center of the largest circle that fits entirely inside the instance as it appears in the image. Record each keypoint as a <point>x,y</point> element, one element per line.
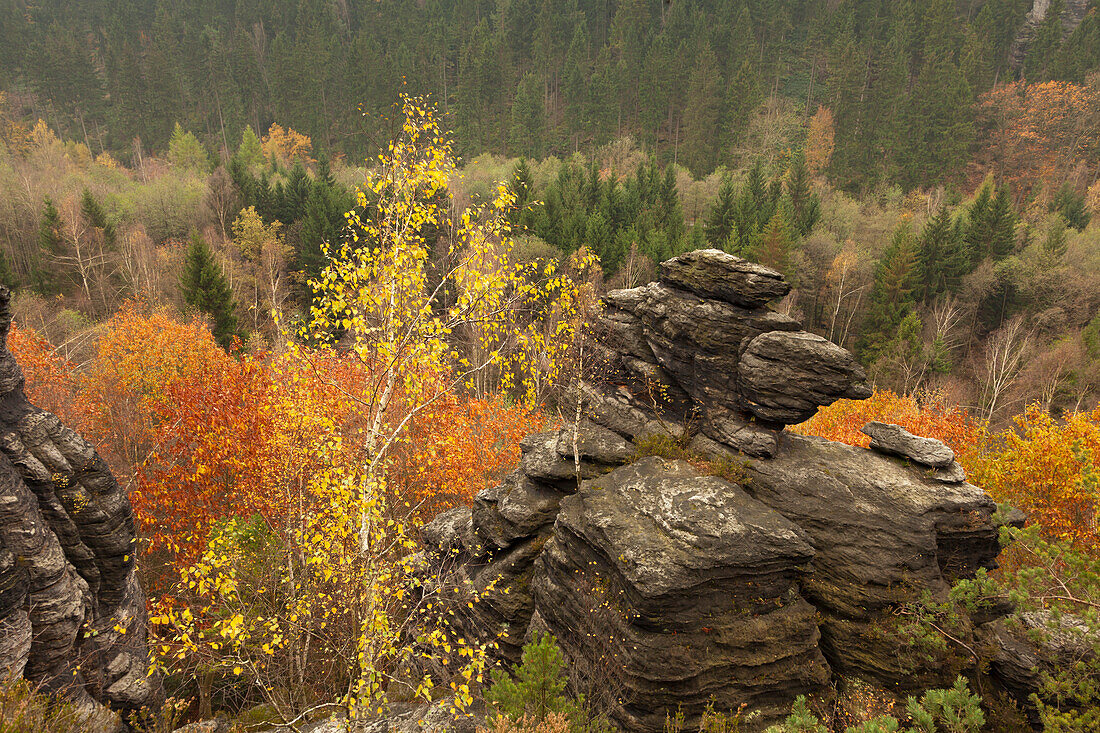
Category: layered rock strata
<point>672,588</point>
<point>679,589</point>
<point>72,613</point>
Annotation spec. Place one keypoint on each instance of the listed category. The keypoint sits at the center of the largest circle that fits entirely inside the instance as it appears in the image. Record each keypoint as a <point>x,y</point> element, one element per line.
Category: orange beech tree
<point>932,418</point>
<point>1042,130</point>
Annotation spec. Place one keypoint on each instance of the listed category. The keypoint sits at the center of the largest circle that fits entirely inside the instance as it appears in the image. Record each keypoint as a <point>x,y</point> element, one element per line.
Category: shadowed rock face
<point>666,587</point>
<point>67,550</point>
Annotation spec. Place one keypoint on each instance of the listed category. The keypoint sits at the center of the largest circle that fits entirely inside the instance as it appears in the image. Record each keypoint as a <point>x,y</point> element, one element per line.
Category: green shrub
<point>951,711</point>
<point>23,708</point>
<point>538,688</point>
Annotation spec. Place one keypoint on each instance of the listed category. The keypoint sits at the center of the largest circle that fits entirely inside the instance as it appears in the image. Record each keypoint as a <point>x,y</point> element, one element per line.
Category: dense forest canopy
<point>535,77</point>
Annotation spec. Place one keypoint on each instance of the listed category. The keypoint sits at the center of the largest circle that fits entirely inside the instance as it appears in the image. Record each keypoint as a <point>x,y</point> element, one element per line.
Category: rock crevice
<point>72,613</point>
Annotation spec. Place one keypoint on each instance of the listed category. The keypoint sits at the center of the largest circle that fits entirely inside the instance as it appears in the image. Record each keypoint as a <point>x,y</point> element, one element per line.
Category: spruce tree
<point>1002,225</point>
<point>575,81</point>
<point>703,110</point>
<point>939,124</point>
<point>1054,243</point>
<point>772,247</point>
<point>205,289</point>
<point>991,226</point>
<point>1071,205</point>
<point>891,295</point>
<point>95,217</point>
<point>527,133</point>
<point>322,221</point>
<point>943,259</point>
<point>805,205</point>
<point>47,280</point>
<point>721,222</point>
<point>1045,45</point>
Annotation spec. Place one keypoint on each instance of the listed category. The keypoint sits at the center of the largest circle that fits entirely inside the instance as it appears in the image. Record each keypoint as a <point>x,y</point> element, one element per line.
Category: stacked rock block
<point>673,588</point>
<point>72,612</point>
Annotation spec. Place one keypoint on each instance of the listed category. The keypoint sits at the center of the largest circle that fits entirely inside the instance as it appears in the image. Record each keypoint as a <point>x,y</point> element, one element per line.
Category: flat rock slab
<point>716,274</point>
<point>896,440</point>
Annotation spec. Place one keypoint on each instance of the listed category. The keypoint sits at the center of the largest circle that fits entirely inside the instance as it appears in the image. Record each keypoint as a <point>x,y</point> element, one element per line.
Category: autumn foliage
<point>1040,132</point>
<point>931,417</point>
<point>1047,468</point>
<point>204,436</point>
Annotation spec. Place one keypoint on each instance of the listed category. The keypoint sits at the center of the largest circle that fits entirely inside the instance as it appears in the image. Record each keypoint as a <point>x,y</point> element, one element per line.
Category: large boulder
<point>786,376</point>
<point>71,608</point>
<point>681,590</point>
<point>712,273</point>
<point>884,534</point>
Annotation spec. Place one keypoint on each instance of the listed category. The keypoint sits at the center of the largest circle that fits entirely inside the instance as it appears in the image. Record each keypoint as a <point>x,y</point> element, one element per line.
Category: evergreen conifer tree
<point>805,205</point>
<point>322,221</point>
<point>772,247</point>
<point>50,244</point>
<point>1002,225</point>
<point>1055,241</point>
<point>721,222</point>
<point>527,133</point>
<point>942,259</point>
<point>891,295</point>
<point>205,289</point>
<point>1045,45</point>
<point>991,226</point>
<point>95,217</point>
<point>575,81</point>
<point>1071,205</point>
<point>703,111</point>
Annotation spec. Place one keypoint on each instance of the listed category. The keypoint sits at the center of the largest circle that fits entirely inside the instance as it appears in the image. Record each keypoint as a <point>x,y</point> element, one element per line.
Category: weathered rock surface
<point>883,534</point>
<point>896,440</point>
<point>1074,11</point>
<point>67,551</point>
<point>667,588</point>
<point>697,594</point>
<point>712,273</point>
<point>785,376</point>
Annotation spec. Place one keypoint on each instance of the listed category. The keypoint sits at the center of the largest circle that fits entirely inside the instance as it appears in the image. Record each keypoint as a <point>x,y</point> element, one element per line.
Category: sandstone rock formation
<point>670,587</point>
<point>1074,11</point>
<point>72,613</point>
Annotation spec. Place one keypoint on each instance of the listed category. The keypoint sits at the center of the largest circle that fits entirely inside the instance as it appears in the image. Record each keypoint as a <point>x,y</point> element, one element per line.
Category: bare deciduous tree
<point>1005,355</point>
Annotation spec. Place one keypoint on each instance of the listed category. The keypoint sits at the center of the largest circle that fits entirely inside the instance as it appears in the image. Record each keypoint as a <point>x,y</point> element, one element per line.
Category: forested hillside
<point>535,77</point>
<point>585,281</point>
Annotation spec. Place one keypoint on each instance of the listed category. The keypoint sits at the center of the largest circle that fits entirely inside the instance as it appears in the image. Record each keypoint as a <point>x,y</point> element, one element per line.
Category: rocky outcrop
<point>72,613</point>
<point>679,589</point>
<point>883,533</point>
<point>898,441</point>
<point>1074,11</point>
<point>749,576</point>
